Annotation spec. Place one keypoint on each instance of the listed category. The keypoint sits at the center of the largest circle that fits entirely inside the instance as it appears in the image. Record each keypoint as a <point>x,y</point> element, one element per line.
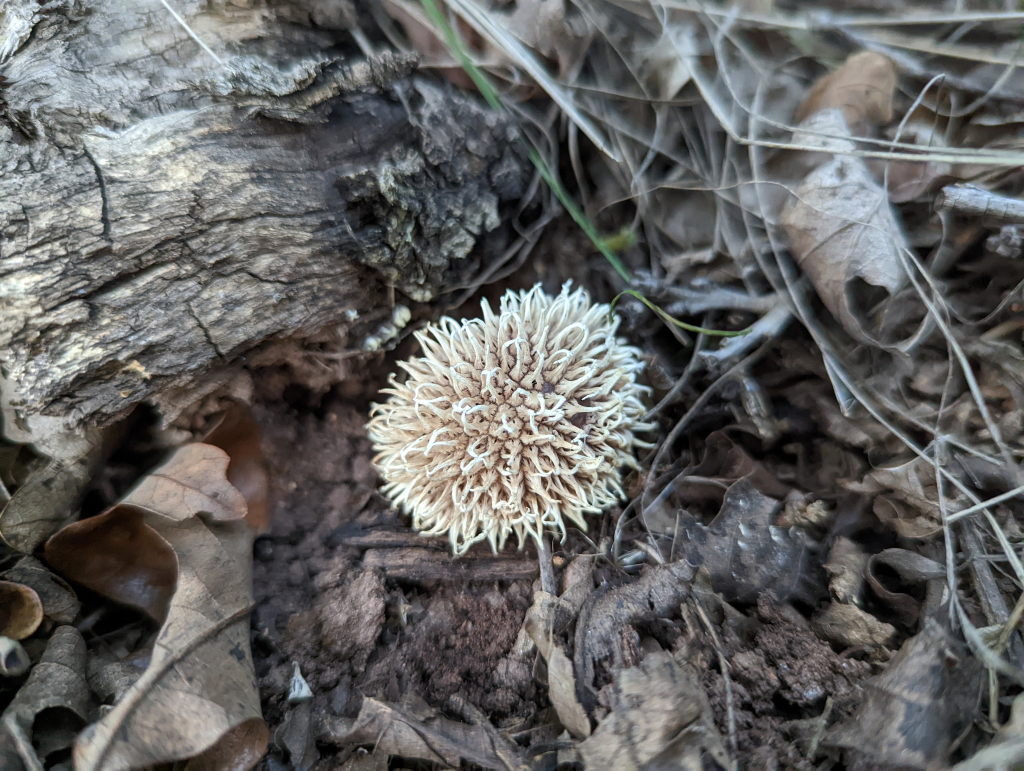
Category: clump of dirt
<point>460,643</point>
<point>782,675</point>
<point>351,615</point>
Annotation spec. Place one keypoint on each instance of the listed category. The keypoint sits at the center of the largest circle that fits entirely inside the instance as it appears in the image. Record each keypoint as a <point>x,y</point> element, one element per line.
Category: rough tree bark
<point>166,211</point>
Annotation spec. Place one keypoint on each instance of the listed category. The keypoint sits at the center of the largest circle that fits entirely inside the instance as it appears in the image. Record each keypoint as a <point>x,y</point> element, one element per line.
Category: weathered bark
<point>162,214</point>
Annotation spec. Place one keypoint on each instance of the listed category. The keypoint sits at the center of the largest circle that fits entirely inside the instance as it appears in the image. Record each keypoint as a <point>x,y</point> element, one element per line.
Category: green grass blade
<point>675,322</point>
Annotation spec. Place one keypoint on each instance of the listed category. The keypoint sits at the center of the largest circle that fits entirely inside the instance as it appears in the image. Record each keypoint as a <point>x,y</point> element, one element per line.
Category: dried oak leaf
<point>843,231</point>
<point>849,626</point>
<point>915,709</point>
<point>1006,749</point>
<point>703,485</point>
<point>54,703</point>
<point>180,548</point>
<point>51,495</point>
<point>862,88</point>
<point>659,712</point>
<point>657,593</point>
<point>192,480</point>
<point>21,611</point>
<point>746,553</point>
<point>539,625</point>
<point>912,568</point>
<point>60,603</point>
<point>414,730</point>
<point>238,434</point>
<point>120,556</point>
<point>199,686</point>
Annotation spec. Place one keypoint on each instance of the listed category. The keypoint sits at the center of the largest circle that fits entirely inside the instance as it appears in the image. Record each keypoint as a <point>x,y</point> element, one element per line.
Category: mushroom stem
<point>547,571</point>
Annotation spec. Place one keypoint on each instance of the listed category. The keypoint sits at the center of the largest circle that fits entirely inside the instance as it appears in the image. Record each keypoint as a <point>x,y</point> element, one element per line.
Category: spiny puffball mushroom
<point>513,422</point>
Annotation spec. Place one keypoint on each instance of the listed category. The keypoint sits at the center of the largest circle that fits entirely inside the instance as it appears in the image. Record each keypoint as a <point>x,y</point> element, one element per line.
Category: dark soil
<point>354,633</point>
<point>351,632</point>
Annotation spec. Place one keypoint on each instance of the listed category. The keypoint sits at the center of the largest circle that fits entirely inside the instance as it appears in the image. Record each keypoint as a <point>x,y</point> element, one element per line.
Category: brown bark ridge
<point>166,210</point>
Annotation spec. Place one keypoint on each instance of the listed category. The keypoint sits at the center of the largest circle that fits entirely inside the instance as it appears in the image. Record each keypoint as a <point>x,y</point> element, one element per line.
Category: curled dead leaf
<point>843,230</point>
<point>915,709</point>
<point>60,603</point>
<point>539,625</point>
<point>862,88</point>
<point>701,487</point>
<point>14,661</point>
<point>200,684</point>
<point>658,592</point>
<point>118,555</point>
<point>54,703</point>
<point>192,480</point>
<point>238,434</point>
<point>851,627</point>
<point>414,730</point>
<point>912,568</point>
<point>746,553</point>
<point>238,750</point>
<point>21,611</point>
<point>658,711</point>
<point>48,499</point>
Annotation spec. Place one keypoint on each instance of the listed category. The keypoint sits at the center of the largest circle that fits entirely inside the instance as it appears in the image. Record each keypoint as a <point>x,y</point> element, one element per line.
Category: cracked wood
<point>159,208</point>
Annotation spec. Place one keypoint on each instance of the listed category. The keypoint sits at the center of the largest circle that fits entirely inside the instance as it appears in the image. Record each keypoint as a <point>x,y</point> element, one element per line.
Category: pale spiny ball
<point>512,423</point>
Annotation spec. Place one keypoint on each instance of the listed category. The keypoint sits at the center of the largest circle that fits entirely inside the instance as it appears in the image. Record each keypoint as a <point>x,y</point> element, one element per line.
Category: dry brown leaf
<point>746,553</point>
<point>197,697</point>
<point>199,685</point>
<point>433,51</point>
<point>118,555</point>
<point>21,611</point>
<point>862,88</point>
<point>843,231</point>
<point>845,569</point>
<point>238,434</point>
<point>915,709</point>
<point>368,762</point>
<point>905,519</point>
<point>192,480</point>
<point>297,735</point>
<point>54,703</point>
<point>658,711</point>
<point>238,750</point>
<point>906,497</point>
<point>704,484</point>
<point>414,730</point>
<point>562,691</point>
<point>913,569</point>
<point>657,593</point>
<point>1007,748</point>
<point>60,603</point>
<point>14,661</point>
<point>49,497</point>
<point>539,625</point>
<point>851,627</point>
<point>541,24</point>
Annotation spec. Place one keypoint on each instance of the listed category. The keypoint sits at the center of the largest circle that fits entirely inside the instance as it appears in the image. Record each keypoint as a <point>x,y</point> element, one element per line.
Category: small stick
<point>724,666</point>
<point>971,200</point>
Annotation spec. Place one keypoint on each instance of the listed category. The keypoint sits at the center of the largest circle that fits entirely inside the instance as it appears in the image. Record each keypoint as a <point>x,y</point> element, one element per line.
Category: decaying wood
<point>165,210</point>
<point>426,564</point>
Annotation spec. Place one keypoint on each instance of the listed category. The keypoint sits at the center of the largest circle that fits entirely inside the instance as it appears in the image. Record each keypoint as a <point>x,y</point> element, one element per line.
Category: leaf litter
<point>818,565</point>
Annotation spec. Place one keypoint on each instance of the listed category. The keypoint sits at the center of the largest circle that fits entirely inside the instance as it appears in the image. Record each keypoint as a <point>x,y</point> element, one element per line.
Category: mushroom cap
<point>513,422</point>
